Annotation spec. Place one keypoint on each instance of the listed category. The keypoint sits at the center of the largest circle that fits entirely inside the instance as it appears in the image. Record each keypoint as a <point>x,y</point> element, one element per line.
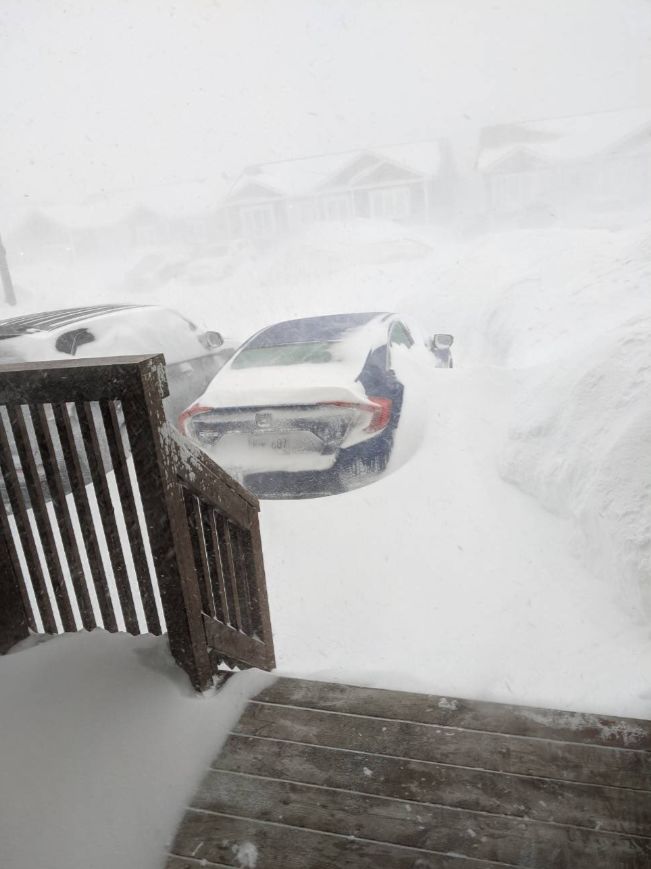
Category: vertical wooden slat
<point>41,517</point>
<point>218,574</point>
<point>229,573</point>
<point>260,586</point>
<point>12,560</point>
<point>107,514</point>
<point>241,578</point>
<point>195,522</point>
<point>85,514</point>
<point>248,577</point>
<point>16,617</point>
<point>130,513</point>
<point>26,535</point>
<point>62,512</point>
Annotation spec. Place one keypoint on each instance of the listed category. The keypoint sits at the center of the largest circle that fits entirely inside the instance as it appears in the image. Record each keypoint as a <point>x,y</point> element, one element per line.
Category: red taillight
<point>380,409</point>
<point>187,415</point>
<point>381,414</point>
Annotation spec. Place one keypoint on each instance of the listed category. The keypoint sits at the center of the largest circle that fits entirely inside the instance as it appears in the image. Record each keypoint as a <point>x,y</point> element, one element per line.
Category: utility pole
<point>5,276</point>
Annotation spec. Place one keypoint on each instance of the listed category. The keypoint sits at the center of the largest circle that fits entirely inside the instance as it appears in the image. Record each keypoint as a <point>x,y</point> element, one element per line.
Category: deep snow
<point>504,556</point>
<point>103,744</point>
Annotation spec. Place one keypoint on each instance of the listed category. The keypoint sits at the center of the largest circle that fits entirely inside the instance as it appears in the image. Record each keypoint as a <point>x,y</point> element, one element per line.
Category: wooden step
<point>316,775</point>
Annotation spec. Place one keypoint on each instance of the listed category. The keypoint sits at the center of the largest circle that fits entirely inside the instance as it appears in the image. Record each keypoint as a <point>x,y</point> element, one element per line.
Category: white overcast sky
<point>105,94</point>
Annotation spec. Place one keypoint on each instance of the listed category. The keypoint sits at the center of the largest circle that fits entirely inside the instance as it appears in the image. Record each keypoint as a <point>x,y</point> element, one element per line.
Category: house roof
<point>558,140</point>
<point>306,175</point>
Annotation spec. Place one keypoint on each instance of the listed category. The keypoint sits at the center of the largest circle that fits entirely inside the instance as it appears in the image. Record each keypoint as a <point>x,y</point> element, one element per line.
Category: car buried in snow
<point>193,355</point>
<point>306,406</point>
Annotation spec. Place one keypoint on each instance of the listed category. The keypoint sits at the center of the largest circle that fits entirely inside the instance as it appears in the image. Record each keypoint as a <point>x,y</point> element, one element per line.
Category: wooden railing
<point>109,518</point>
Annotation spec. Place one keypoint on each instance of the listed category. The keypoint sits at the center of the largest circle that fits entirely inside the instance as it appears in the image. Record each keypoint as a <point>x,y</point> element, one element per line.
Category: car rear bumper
<point>287,438</point>
<point>275,451</point>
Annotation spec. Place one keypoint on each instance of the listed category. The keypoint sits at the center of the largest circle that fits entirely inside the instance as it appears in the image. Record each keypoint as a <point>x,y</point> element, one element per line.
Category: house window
<point>391,203</point>
<point>258,221</point>
<point>336,207</point>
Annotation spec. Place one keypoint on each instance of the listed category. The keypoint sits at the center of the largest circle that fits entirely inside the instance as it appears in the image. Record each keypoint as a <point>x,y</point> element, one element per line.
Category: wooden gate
<point>109,518</point>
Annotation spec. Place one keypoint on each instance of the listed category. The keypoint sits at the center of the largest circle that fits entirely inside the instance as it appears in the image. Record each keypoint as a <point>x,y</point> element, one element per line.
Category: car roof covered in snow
<point>48,321</point>
<point>331,327</point>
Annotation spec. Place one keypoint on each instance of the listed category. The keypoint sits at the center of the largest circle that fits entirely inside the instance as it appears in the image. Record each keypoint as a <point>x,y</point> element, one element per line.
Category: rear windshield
<point>285,354</point>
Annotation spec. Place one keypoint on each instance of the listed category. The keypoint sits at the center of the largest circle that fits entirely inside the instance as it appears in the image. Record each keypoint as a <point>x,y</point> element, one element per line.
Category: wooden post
<point>14,621</point>
<point>167,523</point>
<point>5,276</point>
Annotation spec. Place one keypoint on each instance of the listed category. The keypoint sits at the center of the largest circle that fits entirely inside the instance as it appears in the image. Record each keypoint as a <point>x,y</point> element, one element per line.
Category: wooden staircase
<point>317,775</point>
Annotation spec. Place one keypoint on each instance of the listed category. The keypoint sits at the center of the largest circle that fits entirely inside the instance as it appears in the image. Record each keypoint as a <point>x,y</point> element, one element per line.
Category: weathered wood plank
<point>516,754</point>
<point>595,807</point>
<point>241,580</point>
<point>14,608</point>
<point>473,715</point>
<point>195,526</point>
<point>62,512</point>
<point>259,588</point>
<point>226,840</point>
<point>41,516</point>
<point>514,841</point>
<point>13,579</point>
<point>219,583</point>
<point>120,465</point>
<point>231,643</point>
<point>228,565</point>
<point>166,520</point>
<point>85,514</point>
<point>190,863</point>
<point>93,449</point>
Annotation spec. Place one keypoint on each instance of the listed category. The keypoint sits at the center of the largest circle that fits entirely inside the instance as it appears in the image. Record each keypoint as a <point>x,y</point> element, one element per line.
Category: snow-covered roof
<point>561,139</point>
<point>306,175</point>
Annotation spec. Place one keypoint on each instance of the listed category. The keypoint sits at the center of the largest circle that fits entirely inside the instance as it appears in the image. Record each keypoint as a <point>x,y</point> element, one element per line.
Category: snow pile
<point>447,575</point>
<point>443,578</point>
<point>103,744</point>
<point>581,443</point>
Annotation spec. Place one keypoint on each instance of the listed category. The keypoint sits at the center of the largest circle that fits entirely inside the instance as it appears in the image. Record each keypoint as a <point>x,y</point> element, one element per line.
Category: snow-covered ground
<point>529,494</point>
<point>103,743</point>
<point>506,554</point>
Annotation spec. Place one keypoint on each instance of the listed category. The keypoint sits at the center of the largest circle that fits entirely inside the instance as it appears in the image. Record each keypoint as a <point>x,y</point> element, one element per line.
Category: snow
<point>556,140</point>
<point>504,556</point>
<point>103,744</point>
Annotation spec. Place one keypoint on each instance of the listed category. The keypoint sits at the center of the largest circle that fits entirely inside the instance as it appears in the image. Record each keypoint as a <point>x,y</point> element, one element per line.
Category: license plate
<point>285,442</point>
<point>270,442</point>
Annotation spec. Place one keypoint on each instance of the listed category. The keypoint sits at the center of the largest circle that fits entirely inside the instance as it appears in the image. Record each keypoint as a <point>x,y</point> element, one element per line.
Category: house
<point>410,182</point>
<point>122,221</point>
<point>597,161</point>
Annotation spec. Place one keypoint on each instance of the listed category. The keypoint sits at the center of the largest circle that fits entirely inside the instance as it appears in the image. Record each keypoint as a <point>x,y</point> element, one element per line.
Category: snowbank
<point>103,743</point>
<point>505,556</point>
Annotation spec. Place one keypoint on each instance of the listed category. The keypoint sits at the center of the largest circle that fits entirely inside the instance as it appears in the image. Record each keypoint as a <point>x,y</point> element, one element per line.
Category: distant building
<point>121,221</point>
<point>412,182</point>
<point>598,161</point>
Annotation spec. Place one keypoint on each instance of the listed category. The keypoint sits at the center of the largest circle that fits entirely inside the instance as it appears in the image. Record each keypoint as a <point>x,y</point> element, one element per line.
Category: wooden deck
<point>316,776</point>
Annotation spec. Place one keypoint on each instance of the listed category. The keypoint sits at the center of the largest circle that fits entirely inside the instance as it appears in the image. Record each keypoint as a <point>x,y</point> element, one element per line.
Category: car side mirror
<point>212,340</point>
<point>441,341</point>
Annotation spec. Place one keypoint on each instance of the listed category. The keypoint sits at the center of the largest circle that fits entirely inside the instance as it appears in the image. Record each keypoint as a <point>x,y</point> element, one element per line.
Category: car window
<point>400,336</point>
<point>314,352</point>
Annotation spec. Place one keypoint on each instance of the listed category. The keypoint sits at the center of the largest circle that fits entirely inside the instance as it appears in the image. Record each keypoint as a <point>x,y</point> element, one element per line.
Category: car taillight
<point>381,414</point>
<point>187,415</point>
<point>380,411</point>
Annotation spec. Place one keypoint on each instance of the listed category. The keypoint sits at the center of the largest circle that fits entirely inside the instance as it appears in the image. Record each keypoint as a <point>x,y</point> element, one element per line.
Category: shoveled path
<point>326,776</point>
